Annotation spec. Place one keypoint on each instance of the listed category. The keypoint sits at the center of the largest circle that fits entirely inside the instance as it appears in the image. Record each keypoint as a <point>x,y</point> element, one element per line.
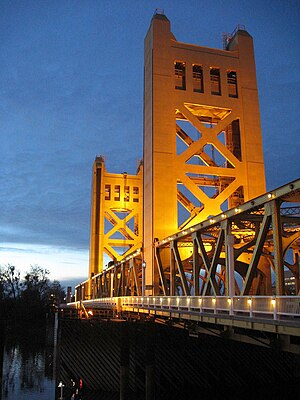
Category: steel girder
<point>249,252</point>
<point>245,251</point>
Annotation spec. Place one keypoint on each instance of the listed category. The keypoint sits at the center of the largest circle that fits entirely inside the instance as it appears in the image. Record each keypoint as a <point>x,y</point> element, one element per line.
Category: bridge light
<point>249,301</point>
<point>223,215</point>
<point>188,300</point>
<point>169,300</point>
<point>90,312</point>
<point>200,301</point>
<point>237,210</point>
<point>229,301</point>
<point>212,220</point>
<point>192,229</point>
<point>273,302</point>
<point>177,300</point>
<point>214,301</point>
<point>160,299</point>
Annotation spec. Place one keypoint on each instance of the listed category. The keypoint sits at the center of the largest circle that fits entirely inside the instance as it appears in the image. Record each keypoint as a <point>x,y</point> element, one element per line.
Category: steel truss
<point>245,251</point>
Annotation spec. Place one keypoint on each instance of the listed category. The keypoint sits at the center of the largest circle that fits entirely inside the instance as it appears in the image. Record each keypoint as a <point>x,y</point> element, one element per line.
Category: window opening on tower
<point>117,193</point>
<point>215,81</point>
<point>198,78</point>
<point>232,84</point>
<point>180,75</point>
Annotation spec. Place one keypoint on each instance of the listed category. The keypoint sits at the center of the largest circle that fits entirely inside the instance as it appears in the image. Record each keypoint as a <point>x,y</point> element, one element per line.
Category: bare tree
<point>37,280</point>
<point>10,282</point>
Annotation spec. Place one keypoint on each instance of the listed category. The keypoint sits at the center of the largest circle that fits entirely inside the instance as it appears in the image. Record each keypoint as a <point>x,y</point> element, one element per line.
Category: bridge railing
<point>266,307</point>
<point>279,307</point>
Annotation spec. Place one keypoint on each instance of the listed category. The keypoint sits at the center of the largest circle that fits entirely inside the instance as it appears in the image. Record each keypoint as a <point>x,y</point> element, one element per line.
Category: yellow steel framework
<point>243,252</point>
<point>202,138</point>
<point>116,223</point>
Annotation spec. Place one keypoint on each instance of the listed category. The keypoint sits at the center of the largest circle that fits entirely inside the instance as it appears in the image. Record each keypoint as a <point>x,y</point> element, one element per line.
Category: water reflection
<point>27,364</point>
<point>28,370</point>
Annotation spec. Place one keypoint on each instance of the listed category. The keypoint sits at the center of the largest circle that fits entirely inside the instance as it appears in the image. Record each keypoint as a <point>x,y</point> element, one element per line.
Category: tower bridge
<point>196,218</point>
<point>194,238</point>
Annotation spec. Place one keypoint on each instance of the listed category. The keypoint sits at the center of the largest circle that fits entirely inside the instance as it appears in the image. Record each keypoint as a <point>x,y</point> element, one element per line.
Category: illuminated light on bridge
<point>273,302</point>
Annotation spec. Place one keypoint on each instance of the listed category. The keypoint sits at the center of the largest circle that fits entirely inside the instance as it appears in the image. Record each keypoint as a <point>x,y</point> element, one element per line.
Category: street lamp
<point>143,277</point>
<point>61,386</point>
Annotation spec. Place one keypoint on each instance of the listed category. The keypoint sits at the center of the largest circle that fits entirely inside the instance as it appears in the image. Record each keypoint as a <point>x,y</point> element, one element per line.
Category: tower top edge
<point>160,14</point>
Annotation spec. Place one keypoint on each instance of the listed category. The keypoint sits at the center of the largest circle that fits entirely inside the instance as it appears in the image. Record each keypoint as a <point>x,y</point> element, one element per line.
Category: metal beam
<point>278,253</point>
<point>161,271</point>
<point>174,249</point>
<point>211,281</point>
<point>257,251</point>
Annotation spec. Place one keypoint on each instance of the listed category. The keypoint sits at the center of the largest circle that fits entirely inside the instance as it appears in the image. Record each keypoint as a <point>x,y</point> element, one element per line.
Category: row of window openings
<point>117,193</point>
<point>198,84</point>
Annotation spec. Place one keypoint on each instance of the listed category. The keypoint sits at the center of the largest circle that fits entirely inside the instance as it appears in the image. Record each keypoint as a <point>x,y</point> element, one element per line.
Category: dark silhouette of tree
<point>10,282</point>
<point>31,298</point>
<point>56,293</point>
<point>36,280</point>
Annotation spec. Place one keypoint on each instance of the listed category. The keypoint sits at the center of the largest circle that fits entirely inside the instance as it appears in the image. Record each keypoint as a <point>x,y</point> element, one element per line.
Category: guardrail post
<point>249,301</point>
<point>119,305</point>
<point>200,305</point>
<point>274,304</point>
<point>230,302</point>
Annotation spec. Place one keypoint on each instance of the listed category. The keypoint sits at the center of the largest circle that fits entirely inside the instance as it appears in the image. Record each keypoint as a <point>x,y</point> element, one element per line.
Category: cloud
<point>62,262</point>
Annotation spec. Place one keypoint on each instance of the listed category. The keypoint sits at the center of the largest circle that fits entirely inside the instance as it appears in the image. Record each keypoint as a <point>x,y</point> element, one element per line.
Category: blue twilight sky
<point>71,87</point>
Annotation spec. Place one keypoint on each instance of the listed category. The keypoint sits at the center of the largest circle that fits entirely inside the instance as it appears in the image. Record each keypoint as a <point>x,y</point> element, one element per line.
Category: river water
<point>28,367</point>
<point>27,371</point>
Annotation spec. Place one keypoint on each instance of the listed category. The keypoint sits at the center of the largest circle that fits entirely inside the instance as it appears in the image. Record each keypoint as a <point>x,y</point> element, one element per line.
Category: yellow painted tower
<point>202,136</point>
<point>116,215</point>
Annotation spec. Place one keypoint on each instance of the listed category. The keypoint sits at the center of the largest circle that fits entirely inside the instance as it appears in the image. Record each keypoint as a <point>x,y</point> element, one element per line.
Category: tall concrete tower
<point>202,137</point>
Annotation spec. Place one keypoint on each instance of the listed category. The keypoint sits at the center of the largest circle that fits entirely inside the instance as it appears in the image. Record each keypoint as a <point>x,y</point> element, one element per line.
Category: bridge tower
<point>116,215</point>
<point>202,136</point>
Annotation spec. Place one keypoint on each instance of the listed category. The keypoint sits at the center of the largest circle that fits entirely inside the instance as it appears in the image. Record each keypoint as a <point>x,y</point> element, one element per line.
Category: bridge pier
<point>124,362</point>
<point>150,363</point>
<point>147,360</point>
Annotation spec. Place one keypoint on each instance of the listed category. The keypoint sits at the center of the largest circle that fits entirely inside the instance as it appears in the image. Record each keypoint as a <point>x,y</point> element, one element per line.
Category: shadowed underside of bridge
<point>177,362</point>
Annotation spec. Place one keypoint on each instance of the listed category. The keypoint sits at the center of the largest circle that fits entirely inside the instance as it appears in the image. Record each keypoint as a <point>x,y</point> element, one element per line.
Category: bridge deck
<point>272,315</point>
